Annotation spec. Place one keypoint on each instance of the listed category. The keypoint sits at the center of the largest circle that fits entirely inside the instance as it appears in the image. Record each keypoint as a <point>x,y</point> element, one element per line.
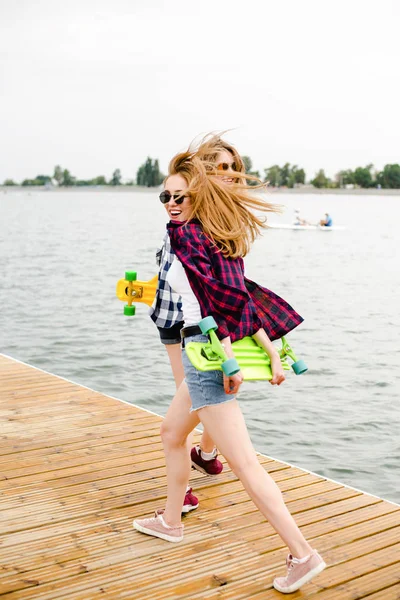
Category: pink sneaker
<point>157,527</point>
<point>208,467</point>
<point>190,502</point>
<point>299,573</point>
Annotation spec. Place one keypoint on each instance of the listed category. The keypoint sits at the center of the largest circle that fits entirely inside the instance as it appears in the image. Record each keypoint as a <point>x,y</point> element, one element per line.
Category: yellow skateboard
<point>129,290</point>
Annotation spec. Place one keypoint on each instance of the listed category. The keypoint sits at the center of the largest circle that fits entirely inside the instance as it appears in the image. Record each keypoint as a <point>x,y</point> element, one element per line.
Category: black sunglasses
<point>226,167</point>
<point>165,197</point>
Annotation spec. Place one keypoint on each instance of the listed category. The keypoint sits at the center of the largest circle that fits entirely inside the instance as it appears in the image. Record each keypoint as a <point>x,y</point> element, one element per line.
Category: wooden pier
<point>76,467</point>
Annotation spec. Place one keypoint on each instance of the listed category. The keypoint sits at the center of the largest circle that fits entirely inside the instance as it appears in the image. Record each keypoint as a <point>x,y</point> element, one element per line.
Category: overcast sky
<point>97,84</point>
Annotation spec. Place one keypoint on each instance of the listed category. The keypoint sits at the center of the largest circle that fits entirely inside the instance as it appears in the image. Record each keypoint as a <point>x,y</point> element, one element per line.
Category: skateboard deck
<point>253,361</point>
<point>250,357</point>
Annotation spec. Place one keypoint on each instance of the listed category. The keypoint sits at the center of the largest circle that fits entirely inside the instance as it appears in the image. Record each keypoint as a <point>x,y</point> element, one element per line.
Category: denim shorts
<point>171,335</point>
<point>206,388</point>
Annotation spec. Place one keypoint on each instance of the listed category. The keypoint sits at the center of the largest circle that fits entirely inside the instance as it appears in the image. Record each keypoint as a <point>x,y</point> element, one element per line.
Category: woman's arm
<point>232,383</point>
<point>278,376</point>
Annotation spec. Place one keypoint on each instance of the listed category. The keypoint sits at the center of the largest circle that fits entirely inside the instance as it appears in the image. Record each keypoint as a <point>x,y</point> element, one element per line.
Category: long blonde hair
<point>226,212</point>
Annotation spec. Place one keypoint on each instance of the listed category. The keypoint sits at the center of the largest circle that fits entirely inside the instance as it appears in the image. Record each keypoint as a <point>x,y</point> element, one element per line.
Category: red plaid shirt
<point>239,306</point>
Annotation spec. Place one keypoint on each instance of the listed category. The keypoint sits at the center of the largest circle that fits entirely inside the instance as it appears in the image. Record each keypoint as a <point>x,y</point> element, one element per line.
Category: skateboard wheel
<point>129,311</point>
<point>230,367</point>
<point>130,275</point>
<point>299,367</point>
<point>208,324</point>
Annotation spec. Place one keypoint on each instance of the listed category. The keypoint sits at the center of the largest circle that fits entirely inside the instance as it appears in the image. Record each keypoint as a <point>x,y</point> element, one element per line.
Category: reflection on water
<point>61,254</point>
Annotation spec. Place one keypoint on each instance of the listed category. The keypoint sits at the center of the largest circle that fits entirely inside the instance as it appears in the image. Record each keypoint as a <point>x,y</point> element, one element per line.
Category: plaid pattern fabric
<point>277,316</point>
<point>239,306</point>
<point>167,306</point>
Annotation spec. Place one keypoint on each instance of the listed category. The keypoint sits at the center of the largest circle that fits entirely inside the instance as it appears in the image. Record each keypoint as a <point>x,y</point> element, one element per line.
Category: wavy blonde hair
<point>226,212</point>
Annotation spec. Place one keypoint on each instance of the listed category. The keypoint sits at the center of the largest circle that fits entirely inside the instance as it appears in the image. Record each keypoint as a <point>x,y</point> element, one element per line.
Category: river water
<point>61,254</point>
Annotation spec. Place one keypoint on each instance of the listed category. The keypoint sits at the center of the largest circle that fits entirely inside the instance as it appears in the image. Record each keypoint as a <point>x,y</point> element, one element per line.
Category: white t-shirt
<point>178,281</point>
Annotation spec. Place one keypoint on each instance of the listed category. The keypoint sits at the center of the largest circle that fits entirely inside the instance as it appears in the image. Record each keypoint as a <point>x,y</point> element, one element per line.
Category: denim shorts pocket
<point>206,388</point>
<point>219,376</point>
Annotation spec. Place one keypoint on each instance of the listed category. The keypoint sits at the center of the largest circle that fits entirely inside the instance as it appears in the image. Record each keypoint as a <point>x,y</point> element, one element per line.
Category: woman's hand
<point>233,383</point>
<point>278,375</point>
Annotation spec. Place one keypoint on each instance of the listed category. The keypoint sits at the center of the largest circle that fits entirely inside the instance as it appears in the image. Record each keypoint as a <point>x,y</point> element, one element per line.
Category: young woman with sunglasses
<point>210,230</point>
<point>167,314</point>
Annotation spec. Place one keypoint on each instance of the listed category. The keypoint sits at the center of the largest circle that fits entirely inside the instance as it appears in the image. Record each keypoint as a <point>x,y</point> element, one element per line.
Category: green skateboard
<point>250,357</point>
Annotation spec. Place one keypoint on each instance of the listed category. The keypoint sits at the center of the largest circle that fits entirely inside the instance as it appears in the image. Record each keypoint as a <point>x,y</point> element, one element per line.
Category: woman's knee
<point>171,437</point>
<point>243,466</point>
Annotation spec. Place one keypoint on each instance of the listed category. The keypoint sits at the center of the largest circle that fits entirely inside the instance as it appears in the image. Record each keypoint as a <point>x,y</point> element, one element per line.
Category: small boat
<point>305,227</point>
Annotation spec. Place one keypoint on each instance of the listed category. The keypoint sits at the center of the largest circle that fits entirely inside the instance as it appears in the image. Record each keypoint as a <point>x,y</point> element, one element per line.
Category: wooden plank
<point>77,467</point>
<point>177,553</point>
<point>363,545</point>
<point>12,519</point>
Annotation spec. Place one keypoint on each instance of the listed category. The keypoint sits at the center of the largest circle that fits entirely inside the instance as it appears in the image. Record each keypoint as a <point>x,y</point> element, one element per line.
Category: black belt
<point>191,330</point>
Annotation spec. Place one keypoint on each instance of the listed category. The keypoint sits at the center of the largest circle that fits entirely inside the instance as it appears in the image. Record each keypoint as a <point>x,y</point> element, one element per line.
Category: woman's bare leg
<point>206,442</point>
<point>226,424</point>
<point>175,429</point>
<point>175,358</point>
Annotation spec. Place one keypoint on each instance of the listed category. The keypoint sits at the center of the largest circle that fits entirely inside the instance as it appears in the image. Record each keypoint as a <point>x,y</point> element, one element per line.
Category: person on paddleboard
<point>212,228</point>
<point>298,220</point>
<point>327,221</point>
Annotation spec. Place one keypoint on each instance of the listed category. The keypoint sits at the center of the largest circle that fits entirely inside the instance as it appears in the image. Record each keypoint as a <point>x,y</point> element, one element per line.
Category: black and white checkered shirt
<point>166,310</point>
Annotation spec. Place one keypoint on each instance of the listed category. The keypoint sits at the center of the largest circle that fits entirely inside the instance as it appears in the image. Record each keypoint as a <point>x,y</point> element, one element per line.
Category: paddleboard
<point>304,227</point>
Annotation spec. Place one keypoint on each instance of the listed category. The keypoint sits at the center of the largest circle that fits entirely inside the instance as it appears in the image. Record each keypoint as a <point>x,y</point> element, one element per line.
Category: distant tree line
<point>149,175</point>
<point>362,177</point>
<point>286,176</point>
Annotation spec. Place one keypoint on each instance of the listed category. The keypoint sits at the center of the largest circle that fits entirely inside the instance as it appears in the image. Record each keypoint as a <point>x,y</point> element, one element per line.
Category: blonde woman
<point>212,227</point>
<point>166,312</point>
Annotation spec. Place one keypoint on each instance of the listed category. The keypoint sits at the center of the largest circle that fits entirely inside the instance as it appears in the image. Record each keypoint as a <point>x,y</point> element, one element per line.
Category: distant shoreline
<point>122,189</point>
